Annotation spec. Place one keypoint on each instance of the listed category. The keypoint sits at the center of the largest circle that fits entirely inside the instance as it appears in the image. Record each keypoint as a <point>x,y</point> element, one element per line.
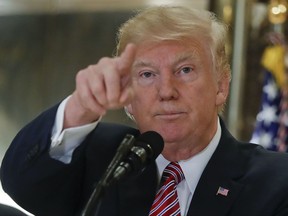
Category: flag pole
<point>238,66</point>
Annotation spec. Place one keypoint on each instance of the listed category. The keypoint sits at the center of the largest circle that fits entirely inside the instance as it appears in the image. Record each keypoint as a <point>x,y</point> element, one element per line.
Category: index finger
<point>126,59</point>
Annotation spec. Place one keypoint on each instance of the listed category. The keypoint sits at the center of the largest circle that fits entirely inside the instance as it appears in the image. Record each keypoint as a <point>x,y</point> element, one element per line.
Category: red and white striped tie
<point>166,201</point>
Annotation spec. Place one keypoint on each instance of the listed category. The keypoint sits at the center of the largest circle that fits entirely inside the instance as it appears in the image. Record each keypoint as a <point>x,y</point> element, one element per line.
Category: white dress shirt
<point>63,143</point>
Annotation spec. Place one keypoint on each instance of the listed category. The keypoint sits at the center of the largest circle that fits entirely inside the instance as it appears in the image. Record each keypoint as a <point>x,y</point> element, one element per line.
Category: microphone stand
<point>93,205</point>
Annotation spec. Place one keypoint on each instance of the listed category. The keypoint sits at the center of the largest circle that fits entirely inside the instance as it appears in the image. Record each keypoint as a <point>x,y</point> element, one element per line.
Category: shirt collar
<point>194,166</point>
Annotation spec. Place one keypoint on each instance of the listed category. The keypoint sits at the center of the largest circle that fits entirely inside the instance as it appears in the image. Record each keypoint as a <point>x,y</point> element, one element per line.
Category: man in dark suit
<point>172,76</point>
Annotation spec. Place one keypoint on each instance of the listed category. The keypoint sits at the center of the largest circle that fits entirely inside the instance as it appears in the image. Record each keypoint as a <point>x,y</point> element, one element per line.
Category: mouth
<point>170,115</point>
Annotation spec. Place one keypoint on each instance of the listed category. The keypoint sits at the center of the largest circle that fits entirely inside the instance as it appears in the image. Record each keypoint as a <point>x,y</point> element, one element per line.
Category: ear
<point>223,91</point>
<point>129,113</point>
<point>129,109</point>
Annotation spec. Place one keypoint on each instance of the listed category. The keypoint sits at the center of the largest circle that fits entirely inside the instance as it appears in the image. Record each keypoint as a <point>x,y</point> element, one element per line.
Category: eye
<point>146,77</point>
<point>186,70</point>
<point>146,74</point>
<point>187,73</point>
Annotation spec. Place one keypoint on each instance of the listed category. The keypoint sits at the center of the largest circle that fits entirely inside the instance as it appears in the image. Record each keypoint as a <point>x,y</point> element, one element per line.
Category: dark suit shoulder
<point>270,161</point>
<point>260,159</point>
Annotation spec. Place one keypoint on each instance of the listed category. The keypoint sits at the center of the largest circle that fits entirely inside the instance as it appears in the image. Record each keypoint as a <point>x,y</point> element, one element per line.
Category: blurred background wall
<point>44,43</point>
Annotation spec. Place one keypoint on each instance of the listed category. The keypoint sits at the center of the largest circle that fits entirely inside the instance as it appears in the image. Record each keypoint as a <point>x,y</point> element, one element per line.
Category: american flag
<point>267,120</point>
<point>222,191</point>
<point>272,120</point>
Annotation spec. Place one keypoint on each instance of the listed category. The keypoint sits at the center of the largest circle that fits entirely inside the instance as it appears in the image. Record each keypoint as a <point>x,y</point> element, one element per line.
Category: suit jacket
<point>256,179</point>
<point>7,210</point>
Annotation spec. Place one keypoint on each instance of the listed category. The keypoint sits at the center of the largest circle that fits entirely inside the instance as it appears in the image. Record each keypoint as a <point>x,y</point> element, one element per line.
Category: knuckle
<point>80,76</point>
<point>104,60</point>
<point>97,90</point>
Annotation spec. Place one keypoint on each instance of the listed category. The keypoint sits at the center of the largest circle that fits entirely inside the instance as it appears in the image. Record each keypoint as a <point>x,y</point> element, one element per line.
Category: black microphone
<point>146,149</point>
<point>131,156</point>
<point>121,153</point>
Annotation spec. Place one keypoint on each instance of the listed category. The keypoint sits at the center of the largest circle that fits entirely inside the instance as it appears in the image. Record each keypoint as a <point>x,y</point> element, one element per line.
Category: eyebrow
<point>142,63</point>
<point>185,56</point>
<point>179,58</point>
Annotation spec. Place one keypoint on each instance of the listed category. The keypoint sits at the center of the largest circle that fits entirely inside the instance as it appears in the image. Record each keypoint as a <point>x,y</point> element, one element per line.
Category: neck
<point>174,153</point>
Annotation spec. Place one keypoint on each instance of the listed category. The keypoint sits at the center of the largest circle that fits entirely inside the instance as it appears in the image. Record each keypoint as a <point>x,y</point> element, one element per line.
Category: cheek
<point>202,94</point>
<point>140,104</point>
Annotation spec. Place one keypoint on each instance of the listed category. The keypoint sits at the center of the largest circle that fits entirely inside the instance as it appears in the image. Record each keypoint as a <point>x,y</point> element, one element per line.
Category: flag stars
<point>266,139</point>
<point>268,115</point>
<point>271,90</point>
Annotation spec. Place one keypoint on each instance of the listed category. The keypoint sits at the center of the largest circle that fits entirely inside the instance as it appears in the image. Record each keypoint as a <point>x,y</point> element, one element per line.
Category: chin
<point>170,137</point>
<point>169,134</point>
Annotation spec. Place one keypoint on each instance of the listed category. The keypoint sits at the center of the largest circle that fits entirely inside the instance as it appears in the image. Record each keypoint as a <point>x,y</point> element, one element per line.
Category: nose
<point>167,88</point>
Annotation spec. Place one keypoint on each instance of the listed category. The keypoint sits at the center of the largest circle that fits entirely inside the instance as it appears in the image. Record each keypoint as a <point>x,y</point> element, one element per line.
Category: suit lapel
<point>225,167</point>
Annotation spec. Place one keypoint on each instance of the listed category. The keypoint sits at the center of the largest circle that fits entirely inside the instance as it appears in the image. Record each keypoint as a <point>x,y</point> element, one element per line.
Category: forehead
<point>167,51</point>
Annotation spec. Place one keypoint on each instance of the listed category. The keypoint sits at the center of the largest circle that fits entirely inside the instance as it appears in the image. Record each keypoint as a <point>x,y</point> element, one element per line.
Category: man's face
<point>176,92</point>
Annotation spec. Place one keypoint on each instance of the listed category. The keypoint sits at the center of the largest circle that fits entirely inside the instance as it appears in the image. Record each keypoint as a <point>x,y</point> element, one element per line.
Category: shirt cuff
<point>64,142</point>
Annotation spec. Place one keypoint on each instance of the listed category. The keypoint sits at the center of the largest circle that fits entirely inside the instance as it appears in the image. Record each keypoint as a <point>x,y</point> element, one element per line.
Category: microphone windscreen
<point>154,140</point>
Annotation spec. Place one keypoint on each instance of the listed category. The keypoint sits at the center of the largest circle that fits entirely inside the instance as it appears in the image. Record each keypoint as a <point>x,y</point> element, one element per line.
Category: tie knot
<point>173,172</point>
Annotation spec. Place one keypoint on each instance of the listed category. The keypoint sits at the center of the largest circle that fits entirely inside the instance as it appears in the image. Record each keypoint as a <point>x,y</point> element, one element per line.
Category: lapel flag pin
<point>222,191</point>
